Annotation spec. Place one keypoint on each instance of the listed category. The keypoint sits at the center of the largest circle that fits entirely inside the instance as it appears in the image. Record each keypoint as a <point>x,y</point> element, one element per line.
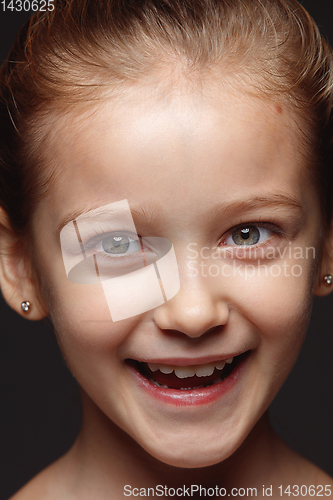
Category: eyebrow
<point>154,213</point>
<point>99,213</point>
<point>256,202</point>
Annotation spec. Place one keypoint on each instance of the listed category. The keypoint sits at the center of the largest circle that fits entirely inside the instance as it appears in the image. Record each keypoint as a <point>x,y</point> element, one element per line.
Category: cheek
<point>278,308</point>
<point>277,295</point>
<point>83,324</point>
<point>91,343</point>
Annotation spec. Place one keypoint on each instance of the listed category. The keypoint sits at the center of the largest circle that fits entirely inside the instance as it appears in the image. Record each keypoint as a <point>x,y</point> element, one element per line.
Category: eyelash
<point>275,229</point>
<point>94,244</point>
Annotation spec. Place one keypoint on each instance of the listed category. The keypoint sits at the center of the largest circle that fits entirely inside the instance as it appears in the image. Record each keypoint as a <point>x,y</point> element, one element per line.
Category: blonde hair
<point>85,49</point>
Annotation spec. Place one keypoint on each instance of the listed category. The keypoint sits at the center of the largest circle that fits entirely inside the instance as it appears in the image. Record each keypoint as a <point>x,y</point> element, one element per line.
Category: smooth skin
<point>194,163</point>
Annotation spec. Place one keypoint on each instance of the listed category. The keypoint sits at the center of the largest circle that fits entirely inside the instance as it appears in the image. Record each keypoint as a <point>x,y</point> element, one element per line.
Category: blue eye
<point>248,235</point>
<point>115,244</point>
<point>113,254</point>
<point>118,245</point>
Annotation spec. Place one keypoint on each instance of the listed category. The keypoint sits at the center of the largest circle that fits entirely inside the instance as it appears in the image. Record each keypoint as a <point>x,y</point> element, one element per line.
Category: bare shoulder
<point>297,470</point>
<point>39,487</point>
<point>313,475</point>
<point>33,489</point>
<point>308,482</point>
<point>47,485</point>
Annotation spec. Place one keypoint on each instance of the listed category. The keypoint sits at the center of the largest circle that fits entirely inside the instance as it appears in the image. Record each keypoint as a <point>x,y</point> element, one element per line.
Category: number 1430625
<point>27,5</point>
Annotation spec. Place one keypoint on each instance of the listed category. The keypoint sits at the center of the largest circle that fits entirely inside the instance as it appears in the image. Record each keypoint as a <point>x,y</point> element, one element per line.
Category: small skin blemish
<point>279,109</point>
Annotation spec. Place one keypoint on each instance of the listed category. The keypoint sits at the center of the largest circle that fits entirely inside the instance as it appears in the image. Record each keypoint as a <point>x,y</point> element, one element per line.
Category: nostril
<point>193,312</point>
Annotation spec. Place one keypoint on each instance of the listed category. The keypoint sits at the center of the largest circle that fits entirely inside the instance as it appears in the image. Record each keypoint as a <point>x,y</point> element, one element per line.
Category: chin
<point>191,454</point>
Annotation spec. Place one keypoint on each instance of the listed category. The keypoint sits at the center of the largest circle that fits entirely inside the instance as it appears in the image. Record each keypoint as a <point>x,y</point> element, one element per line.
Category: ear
<point>16,277</point>
<point>325,267</point>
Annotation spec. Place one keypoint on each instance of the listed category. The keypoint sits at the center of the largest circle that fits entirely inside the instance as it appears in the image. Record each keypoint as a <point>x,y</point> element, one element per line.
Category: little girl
<point>166,200</point>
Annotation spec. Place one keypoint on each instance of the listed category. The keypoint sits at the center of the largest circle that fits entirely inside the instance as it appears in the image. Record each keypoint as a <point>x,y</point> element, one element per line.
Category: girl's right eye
<point>120,245</point>
<point>117,244</point>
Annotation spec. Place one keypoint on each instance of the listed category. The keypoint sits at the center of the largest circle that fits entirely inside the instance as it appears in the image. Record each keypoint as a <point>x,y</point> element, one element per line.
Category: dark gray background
<point>39,402</point>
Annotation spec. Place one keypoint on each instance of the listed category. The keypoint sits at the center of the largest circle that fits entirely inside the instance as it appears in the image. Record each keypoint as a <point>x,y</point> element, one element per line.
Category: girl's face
<point>221,176</point>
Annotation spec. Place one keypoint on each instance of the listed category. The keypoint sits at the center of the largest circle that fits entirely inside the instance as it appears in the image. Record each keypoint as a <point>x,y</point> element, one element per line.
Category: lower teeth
<point>217,381</point>
<point>157,384</point>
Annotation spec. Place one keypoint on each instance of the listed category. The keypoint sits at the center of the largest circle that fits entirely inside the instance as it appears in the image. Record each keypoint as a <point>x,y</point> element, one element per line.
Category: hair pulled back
<point>83,49</point>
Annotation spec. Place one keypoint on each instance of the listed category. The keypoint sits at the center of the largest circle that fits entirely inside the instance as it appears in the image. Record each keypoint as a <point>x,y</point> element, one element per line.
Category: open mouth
<point>190,377</point>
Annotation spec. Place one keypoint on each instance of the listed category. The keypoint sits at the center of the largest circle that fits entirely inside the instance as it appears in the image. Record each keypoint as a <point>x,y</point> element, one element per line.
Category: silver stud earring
<point>26,306</point>
<point>328,278</point>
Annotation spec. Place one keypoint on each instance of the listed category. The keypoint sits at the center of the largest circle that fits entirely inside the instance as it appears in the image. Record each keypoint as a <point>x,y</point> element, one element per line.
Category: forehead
<point>148,146</point>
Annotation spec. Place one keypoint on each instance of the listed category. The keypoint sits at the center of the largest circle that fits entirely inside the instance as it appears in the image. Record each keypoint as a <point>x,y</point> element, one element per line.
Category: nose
<point>195,309</point>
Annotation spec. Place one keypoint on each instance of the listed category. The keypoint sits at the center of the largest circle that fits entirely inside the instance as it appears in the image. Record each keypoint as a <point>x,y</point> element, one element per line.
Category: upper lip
<point>190,361</point>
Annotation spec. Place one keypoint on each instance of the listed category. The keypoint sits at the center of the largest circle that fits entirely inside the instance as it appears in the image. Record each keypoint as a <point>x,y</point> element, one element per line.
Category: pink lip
<point>193,397</point>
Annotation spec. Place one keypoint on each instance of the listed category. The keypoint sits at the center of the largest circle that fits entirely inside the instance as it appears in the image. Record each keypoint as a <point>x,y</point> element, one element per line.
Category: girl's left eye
<point>248,235</point>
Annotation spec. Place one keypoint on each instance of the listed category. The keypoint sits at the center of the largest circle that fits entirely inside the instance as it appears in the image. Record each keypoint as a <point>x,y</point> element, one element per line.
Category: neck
<point>104,458</point>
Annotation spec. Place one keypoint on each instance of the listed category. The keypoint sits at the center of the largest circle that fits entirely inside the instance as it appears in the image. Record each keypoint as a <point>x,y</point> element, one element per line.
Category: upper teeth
<point>190,371</point>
